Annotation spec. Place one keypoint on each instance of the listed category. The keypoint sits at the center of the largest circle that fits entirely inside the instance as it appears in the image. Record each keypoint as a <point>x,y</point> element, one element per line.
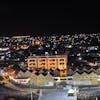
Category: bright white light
<point>78,54</point>
<point>70,46</point>
<point>87,50</point>
<point>79,58</point>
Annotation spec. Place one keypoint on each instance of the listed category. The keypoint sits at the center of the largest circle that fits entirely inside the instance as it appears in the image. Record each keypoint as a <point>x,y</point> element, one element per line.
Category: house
<point>93,77</point>
<point>20,74</point>
<point>11,72</point>
<point>85,78</point>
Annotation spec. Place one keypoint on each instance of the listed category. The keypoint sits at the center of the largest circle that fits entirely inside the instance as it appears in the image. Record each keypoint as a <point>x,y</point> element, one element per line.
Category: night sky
<point>49,16</point>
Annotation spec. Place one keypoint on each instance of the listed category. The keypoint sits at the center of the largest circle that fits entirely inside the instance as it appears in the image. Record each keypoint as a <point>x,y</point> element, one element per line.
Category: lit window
<point>33,63</point>
<point>52,64</point>
<point>53,59</point>
<point>31,60</point>
<point>42,60</point>
<point>61,59</point>
<point>43,64</point>
<point>30,64</point>
<point>61,63</point>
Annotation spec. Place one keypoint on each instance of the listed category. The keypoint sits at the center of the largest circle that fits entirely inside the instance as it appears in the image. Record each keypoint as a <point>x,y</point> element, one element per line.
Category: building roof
<point>9,70</point>
<point>20,73</point>
<point>82,72</point>
<point>22,78</point>
<point>48,56</point>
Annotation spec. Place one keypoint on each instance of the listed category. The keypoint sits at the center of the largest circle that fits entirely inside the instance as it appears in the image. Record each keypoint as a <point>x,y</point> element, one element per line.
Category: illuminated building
<point>49,62</point>
<point>36,43</point>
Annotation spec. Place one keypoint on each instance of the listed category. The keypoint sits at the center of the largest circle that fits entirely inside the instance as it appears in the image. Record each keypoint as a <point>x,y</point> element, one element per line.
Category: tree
<point>16,67</point>
<point>1,78</point>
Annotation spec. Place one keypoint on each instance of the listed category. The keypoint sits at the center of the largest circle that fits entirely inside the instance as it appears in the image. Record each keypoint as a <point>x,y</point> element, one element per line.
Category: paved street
<point>56,95</point>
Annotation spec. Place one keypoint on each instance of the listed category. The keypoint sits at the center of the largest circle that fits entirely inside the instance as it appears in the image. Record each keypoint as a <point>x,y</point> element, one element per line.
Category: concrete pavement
<point>58,94</point>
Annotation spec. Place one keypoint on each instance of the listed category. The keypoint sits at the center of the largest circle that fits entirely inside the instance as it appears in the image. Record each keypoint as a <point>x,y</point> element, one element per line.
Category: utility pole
<point>96,98</point>
<point>31,92</point>
<point>31,96</point>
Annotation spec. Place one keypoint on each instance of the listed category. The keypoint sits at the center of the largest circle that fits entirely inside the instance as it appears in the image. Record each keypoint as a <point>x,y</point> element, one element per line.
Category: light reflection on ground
<point>56,95</point>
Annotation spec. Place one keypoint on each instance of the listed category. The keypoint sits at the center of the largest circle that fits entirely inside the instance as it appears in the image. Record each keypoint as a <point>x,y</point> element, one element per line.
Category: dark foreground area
<point>14,98</point>
<point>90,98</point>
<point>17,98</point>
<point>28,98</point>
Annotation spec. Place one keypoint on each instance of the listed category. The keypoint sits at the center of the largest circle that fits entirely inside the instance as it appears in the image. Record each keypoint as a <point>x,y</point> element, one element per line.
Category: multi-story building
<point>49,62</point>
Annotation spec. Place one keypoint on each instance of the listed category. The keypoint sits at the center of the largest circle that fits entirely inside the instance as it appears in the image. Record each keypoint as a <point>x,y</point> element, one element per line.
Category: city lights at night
<point>51,64</point>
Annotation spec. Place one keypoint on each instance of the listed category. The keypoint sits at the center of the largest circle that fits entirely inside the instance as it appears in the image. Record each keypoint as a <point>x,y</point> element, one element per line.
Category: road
<point>58,94</point>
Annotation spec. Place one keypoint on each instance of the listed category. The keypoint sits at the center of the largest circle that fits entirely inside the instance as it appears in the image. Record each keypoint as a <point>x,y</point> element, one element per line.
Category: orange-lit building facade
<point>38,42</point>
<point>32,63</point>
<point>42,63</point>
<point>52,63</point>
<point>49,62</point>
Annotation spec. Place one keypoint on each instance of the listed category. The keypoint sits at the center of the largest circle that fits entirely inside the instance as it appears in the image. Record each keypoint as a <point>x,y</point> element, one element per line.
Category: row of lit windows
<point>52,64</point>
<point>32,64</point>
<point>45,64</point>
<point>32,60</point>
<point>45,60</point>
<point>61,63</point>
<point>61,59</point>
<point>52,60</point>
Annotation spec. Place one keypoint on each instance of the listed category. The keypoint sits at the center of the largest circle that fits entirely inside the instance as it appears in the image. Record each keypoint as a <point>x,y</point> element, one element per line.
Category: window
<point>53,59</point>
<point>52,64</point>
<point>70,94</point>
<point>61,59</point>
<point>70,79</point>
<point>30,64</point>
<point>42,60</point>
<point>61,63</point>
<point>30,60</point>
<point>33,63</point>
<point>33,60</point>
<point>43,64</point>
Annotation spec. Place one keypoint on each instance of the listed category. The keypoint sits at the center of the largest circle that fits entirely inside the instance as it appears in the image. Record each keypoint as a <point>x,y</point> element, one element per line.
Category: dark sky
<point>49,16</point>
